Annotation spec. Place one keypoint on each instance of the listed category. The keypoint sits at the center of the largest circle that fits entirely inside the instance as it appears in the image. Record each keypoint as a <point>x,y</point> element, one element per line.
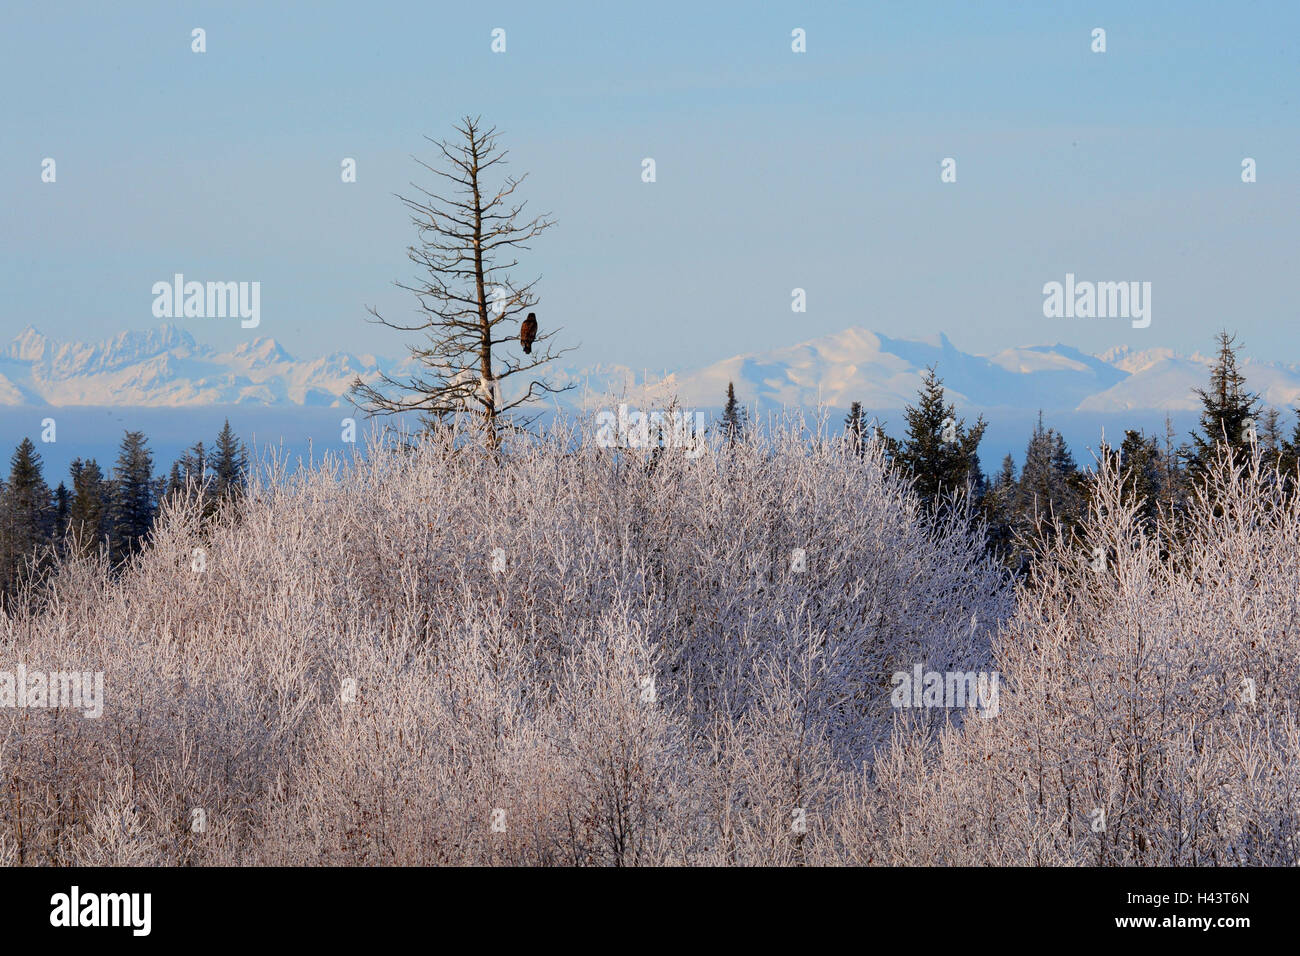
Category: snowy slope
<point>166,367</point>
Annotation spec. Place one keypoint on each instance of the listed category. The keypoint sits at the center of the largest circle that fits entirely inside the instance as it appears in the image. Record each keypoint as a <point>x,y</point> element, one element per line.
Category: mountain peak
<point>262,350</point>
<point>164,366</point>
<point>27,346</point>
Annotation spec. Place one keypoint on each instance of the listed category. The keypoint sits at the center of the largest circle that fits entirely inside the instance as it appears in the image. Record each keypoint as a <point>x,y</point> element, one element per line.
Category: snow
<point>166,367</point>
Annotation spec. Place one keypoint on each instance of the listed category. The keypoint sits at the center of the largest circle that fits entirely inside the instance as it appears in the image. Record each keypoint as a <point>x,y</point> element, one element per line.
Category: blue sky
<point>775,170</point>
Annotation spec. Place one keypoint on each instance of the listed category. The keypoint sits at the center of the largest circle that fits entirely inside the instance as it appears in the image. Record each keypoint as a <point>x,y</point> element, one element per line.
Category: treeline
<point>939,452</point>
<point>110,511</point>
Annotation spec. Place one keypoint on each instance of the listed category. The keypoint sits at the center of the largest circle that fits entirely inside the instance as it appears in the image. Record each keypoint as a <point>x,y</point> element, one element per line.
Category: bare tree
<point>468,301</point>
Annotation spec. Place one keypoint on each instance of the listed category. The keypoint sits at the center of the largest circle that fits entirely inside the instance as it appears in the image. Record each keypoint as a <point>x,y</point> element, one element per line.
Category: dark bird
<point>528,332</point>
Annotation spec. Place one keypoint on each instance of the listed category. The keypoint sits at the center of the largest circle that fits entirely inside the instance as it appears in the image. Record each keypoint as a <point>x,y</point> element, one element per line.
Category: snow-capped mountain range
<point>166,367</point>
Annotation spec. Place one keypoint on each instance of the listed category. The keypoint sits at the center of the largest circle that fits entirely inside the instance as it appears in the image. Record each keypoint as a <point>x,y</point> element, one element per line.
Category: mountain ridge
<point>166,367</point>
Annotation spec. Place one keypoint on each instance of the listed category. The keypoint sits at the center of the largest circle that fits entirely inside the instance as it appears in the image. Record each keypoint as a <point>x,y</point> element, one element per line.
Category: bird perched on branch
<point>528,332</point>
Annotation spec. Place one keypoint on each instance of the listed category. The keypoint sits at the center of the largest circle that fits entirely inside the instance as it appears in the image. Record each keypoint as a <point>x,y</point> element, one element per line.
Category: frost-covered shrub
<point>1149,702</point>
<point>547,653</point>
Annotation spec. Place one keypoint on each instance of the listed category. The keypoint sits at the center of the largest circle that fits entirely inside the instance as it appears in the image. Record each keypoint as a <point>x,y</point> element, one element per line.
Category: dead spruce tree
<point>468,301</point>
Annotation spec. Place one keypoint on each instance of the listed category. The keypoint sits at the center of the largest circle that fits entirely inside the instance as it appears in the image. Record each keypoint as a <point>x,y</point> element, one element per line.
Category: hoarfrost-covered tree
<point>1149,710</point>
<point>664,668</point>
<point>565,657</point>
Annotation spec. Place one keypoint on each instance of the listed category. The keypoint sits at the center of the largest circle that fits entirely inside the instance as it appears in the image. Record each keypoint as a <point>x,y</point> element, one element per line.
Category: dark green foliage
<point>212,476</point>
<point>1288,456</point>
<point>940,452</point>
<point>88,515</point>
<point>1228,411</point>
<point>194,465</point>
<point>1141,465</point>
<point>734,422</point>
<point>855,429</point>
<point>62,509</point>
<point>229,464</point>
<point>27,517</point>
<point>97,512</point>
<point>1049,482</point>
<point>134,499</point>
<point>999,508</point>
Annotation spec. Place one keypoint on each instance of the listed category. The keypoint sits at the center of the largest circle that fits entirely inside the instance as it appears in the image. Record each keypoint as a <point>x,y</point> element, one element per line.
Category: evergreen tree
<point>939,452</point>
<point>1227,410</point>
<point>229,464</point>
<point>1270,435</point>
<point>1050,482</point>
<point>88,515</point>
<point>28,516</point>
<point>62,510</point>
<point>1173,486</point>
<point>999,512</point>
<point>855,428</point>
<point>175,482</point>
<point>1288,456</point>
<point>1074,498</point>
<point>1007,476</point>
<point>888,443</point>
<point>134,500</point>
<point>189,476</point>
<point>194,465</point>
<point>1142,469</point>
<point>733,417</point>
<point>159,489</point>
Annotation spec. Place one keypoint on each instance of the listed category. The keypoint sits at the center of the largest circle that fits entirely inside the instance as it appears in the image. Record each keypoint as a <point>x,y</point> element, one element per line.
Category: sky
<point>775,170</point>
